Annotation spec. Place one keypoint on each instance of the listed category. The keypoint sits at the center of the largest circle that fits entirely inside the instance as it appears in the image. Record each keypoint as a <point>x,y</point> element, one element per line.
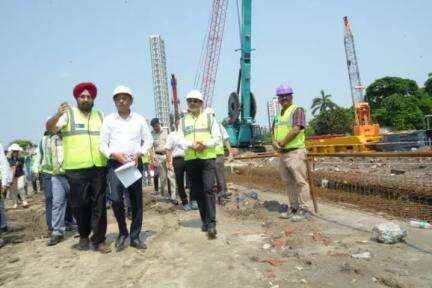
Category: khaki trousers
<point>293,171</point>
<point>166,175</point>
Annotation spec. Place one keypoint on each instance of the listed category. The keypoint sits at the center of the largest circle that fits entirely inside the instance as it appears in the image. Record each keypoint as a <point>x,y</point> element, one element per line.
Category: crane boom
<point>175,101</point>
<point>213,46</point>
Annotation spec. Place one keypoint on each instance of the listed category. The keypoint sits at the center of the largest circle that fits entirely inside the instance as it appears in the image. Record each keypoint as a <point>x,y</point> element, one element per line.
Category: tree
<point>428,85</point>
<point>322,103</point>
<point>336,121</point>
<point>401,112</point>
<point>23,143</point>
<point>384,87</point>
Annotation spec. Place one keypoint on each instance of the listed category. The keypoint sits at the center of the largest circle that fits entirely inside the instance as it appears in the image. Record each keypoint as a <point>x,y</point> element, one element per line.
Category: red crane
<point>212,52</point>
<point>175,101</point>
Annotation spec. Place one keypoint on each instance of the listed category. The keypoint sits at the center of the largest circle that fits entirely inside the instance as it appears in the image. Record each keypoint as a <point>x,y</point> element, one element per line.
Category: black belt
<point>286,150</point>
<point>178,157</point>
<point>160,153</point>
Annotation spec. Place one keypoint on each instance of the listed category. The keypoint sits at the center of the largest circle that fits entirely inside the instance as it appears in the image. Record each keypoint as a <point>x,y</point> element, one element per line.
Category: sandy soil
<point>253,249</point>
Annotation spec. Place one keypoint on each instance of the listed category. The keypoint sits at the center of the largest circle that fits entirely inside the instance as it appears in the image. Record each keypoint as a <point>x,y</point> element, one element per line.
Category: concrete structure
<point>160,80</point>
<point>273,108</point>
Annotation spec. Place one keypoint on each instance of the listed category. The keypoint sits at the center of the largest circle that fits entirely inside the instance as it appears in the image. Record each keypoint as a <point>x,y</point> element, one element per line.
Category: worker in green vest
<point>84,165</point>
<point>46,171</point>
<point>200,135</point>
<point>289,139</point>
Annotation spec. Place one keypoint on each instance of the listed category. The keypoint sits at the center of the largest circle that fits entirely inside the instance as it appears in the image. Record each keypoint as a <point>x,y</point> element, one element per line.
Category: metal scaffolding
<point>160,80</point>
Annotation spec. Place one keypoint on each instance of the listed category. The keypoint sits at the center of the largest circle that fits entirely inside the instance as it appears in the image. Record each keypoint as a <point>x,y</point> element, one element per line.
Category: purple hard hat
<point>284,89</point>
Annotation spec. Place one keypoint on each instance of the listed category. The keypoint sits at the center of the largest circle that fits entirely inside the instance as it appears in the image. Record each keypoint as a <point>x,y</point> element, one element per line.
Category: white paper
<point>128,174</point>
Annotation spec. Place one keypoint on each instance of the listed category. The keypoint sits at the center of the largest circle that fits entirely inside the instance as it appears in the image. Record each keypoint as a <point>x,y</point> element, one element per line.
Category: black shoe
<point>4,229</point>
<point>204,228</point>
<point>212,233</point>
<point>55,239</point>
<point>120,243</point>
<point>84,244</point>
<point>138,244</point>
<point>225,195</point>
<point>2,242</point>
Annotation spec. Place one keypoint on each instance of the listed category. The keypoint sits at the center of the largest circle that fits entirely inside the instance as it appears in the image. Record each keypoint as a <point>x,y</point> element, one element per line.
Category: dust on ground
<point>254,248</point>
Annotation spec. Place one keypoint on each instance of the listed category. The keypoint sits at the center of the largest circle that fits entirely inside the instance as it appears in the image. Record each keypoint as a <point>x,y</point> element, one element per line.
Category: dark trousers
<point>180,170</point>
<point>47,189</point>
<point>88,201</point>
<point>202,175</point>
<point>117,193</point>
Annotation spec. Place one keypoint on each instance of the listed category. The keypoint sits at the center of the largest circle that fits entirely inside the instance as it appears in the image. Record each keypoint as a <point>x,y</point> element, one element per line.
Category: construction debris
<point>388,233</point>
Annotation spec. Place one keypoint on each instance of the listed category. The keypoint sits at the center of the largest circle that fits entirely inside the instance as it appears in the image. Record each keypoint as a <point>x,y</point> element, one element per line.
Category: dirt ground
<point>253,249</point>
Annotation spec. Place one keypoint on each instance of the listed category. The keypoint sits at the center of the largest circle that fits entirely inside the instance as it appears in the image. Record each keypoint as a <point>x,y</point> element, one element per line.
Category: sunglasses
<point>284,96</point>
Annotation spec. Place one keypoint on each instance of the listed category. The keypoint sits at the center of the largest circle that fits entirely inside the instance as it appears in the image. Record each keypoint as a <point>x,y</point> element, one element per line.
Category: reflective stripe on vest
<point>198,129</point>
<point>283,125</point>
<point>81,140</point>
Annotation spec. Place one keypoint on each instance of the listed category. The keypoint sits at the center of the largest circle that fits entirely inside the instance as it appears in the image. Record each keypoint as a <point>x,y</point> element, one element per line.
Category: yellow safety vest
<point>145,158</point>
<point>283,125</point>
<point>81,138</point>
<point>46,165</point>
<point>198,129</point>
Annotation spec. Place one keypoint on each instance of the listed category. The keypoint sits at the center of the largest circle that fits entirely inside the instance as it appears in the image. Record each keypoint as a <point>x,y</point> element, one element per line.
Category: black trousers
<point>117,192</point>
<point>180,171</point>
<point>88,201</point>
<point>202,175</point>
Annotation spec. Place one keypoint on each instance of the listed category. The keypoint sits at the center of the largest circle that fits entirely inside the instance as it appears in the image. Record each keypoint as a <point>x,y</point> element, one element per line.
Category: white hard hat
<point>210,111</point>
<point>122,90</point>
<point>15,147</point>
<point>194,94</point>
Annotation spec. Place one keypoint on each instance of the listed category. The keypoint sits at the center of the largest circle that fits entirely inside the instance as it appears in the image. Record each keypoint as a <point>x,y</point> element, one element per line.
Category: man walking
<point>5,177</point>
<point>125,137</point>
<point>220,158</point>
<point>46,169</point>
<point>159,141</point>
<point>289,140</point>
<point>84,164</point>
<point>16,162</point>
<point>60,191</point>
<point>201,135</point>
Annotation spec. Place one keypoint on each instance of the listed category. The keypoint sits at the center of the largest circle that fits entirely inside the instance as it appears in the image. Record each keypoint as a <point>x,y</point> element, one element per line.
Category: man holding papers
<point>125,137</point>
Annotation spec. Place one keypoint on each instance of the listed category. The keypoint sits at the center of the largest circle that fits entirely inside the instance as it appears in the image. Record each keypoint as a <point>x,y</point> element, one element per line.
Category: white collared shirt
<point>129,135</point>
<point>6,173</point>
<point>174,144</point>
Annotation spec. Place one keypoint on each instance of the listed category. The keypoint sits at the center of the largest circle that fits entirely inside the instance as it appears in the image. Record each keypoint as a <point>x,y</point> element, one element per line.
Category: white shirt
<point>215,132</point>
<point>6,173</point>
<point>224,133</point>
<point>174,144</point>
<point>129,135</point>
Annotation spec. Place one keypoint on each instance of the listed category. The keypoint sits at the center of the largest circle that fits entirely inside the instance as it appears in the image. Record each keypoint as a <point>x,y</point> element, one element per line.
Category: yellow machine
<point>365,133</point>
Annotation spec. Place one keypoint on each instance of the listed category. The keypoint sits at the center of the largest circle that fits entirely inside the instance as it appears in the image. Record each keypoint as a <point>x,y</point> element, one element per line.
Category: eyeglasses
<point>284,96</point>
<point>193,101</point>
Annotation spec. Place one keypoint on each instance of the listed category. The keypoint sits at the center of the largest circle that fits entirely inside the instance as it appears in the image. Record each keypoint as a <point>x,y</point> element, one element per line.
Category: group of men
<point>86,148</point>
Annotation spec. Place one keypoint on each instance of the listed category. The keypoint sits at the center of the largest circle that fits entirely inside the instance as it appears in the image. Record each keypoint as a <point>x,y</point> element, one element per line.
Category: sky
<point>48,46</point>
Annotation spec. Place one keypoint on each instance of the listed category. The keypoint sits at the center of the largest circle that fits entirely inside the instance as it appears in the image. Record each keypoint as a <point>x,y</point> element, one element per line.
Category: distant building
<point>273,108</point>
<point>160,80</point>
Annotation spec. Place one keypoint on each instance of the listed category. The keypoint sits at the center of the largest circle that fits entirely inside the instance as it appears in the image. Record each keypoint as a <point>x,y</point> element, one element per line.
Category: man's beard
<point>85,107</point>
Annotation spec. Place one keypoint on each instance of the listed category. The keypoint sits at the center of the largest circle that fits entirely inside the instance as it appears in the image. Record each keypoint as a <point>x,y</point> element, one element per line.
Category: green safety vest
<point>283,125</point>
<point>46,165</point>
<point>220,147</point>
<point>57,155</point>
<point>81,138</point>
<point>198,129</point>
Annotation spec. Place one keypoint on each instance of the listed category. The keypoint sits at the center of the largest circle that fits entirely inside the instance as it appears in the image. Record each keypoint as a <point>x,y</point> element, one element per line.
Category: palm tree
<point>320,104</point>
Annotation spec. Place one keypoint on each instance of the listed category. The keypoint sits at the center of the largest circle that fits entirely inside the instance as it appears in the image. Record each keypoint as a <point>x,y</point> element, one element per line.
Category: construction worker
<point>201,134</point>
<point>46,170</point>
<point>220,159</point>
<point>59,189</point>
<point>175,162</point>
<point>146,173</point>
<point>289,140</point>
<point>5,177</point>
<point>16,162</point>
<point>84,164</point>
<point>125,137</point>
<point>159,141</point>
